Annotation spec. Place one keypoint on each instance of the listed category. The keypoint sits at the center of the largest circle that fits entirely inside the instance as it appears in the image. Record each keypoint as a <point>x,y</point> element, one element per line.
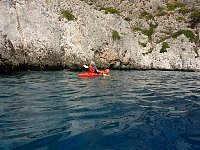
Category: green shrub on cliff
<point>195,17</point>
<point>174,5</point>
<point>188,33</point>
<point>115,35</point>
<point>151,30</point>
<point>161,13</point>
<point>171,6</point>
<point>110,10</point>
<point>184,10</point>
<point>137,29</point>
<point>127,18</point>
<point>180,19</point>
<point>164,47</point>
<point>146,15</point>
<point>147,32</point>
<point>67,14</point>
<point>162,39</point>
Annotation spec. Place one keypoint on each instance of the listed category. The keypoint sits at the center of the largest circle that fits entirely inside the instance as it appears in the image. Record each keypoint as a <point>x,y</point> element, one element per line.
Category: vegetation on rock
<point>174,5</point>
<point>147,32</point>
<point>164,47</point>
<point>115,35</point>
<point>67,14</point>
<point>180,19</point>
<point>188,33</point>
<point>195,18</point>
<point>148,52</point>
<point>146,15</point>
<point>110,10</point>
<point>127,18</point>
<point>161,13</point>
<point>184,10</point>
<point>163,39</point>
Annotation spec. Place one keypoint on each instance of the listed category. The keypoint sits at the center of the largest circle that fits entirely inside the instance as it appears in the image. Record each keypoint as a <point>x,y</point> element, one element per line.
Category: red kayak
<point>93,75</point>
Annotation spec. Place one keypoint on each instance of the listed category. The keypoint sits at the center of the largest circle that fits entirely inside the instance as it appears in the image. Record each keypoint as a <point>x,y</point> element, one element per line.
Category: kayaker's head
<point>92,63</point>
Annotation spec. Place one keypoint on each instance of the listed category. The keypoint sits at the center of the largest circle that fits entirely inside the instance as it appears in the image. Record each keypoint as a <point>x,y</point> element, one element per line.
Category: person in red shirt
<point>92,68</point>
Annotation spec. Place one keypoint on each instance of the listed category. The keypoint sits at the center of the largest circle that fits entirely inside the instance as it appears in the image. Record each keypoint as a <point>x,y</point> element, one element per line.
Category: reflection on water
<point>125,111</point>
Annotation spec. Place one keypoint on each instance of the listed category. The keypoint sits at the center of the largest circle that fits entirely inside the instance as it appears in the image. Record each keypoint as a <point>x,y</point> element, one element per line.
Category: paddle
<point>85,66</point>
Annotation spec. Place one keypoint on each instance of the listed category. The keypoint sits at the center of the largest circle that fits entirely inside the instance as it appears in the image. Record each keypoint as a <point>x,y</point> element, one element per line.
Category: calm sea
<point>128,110</point>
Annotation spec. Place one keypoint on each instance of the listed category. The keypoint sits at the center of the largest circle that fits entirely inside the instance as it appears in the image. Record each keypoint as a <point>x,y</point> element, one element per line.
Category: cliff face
<point>124,34</point>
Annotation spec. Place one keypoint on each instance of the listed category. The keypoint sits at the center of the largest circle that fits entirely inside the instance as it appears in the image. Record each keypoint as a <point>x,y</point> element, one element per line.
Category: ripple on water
<point>127,110</point>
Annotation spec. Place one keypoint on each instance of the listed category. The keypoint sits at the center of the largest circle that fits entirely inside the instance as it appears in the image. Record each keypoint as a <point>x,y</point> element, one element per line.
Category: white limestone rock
<point>35,35</point>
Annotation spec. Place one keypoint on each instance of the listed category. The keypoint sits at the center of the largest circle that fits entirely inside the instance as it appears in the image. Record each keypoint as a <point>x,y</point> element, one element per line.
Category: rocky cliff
<point>120,34</point>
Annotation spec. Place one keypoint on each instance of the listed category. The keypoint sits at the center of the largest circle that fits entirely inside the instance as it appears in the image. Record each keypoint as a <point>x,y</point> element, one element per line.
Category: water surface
<point>129,110</point>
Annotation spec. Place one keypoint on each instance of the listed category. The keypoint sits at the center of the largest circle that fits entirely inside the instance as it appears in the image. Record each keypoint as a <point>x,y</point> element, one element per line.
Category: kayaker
<point>93,68</point>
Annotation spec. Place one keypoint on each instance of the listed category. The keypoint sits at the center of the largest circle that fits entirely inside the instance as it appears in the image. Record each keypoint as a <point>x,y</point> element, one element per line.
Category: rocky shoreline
<point>139,34</point>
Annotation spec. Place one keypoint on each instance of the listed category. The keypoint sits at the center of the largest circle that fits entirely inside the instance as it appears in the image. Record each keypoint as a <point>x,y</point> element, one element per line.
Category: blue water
<point>129,110</point>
